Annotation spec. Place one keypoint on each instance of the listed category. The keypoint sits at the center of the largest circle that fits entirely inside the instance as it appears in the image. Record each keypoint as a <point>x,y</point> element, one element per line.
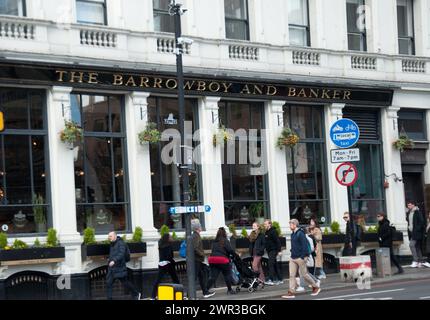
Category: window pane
<point>413,124</point>
<point>352,15</point>
<point>236,29</point>
<point>161,4</point>
<point>96,113</point>
<point>90,12</point>
<point>17,162</point>
<point>80,175</point>
<point>402,21</point>
<point>102,217</point>
<point>355,42</point>
<point>304,210</point>
<point>119,172</point>
<point>298,12</point>
<point>298,36</point>
<point>405,46</point>
<point>40,173</point>
<point>115,109</point>
<point>21,220</point>
<point>75,106</point>
<point>240,116</point>
<point>236,9</point>
<point>36,112</point>
<point>11,7</point>
<point>15,106</point>
<point>164,23</point>
<point>301,121</point>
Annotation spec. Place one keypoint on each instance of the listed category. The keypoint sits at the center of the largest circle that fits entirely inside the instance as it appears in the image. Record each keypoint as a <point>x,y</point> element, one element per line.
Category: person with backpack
<point>119,255</point>
<point>256,249</point>
<point>385,239</point>
<point>310,263</point>
<point>300,251</point>
<point>352,236</point>
<point>316,232</point>
<point>273,248</point>
<point>219,260</point>
<point>416,230</point>
<point>166,263</point>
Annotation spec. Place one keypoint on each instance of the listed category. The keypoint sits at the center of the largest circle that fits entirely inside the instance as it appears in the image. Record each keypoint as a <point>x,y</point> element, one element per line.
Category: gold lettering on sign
<point>258,89</point>
<point>171,84</point>
<point>347,95</point>
<point>201,86</point>
<point>245,90</point>
<point>325,94</point>
<point>226,86</point>
<point>74,77</point>
<point>158,83</point>
<point>144,82</point>
<point>336,94</point>
<point>314,94</point>
<point>271,90</point>
<point>189,85</point>
<point>131,82</point>
<point>92,78</point>
<point>118,80</point>
<point>292,92</point>
<point>216,85</point>
<point>60,75</point>
<point>302,93</point>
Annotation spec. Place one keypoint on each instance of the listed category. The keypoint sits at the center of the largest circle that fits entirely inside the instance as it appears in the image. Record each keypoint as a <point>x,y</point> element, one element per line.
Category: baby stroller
<point>248,279</point>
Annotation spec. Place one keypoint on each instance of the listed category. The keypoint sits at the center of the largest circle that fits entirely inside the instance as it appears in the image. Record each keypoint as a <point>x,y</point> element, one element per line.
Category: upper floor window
<point>236,19</point>
<point>91,11</point>
<point>413,124</point>
<point>163,21</point>
<point>405,26</point>
<point>298,19</point>
<point>356,25</point>
<point>12,7</point>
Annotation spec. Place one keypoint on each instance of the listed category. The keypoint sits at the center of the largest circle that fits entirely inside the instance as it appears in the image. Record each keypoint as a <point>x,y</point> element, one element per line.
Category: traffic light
<point>1,121</point>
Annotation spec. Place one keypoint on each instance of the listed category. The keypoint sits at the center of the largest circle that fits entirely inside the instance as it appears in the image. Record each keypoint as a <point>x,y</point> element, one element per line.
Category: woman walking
<point>219,260</point>
<point>256,249</point>
<point>316,232</point>
<point>166,264</point>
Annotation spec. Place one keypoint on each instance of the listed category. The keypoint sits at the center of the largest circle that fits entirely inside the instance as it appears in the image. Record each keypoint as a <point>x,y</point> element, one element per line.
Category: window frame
<point>161,12</point>
<point>413,114</point>
<point>245,21</point>
<point>105,17</point>
<point>411,37</point>
<point>361,34</point>
<point>303,27</point>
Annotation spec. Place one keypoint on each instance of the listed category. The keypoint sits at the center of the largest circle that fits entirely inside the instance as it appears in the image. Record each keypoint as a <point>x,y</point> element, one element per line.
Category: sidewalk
<point>332,282</point>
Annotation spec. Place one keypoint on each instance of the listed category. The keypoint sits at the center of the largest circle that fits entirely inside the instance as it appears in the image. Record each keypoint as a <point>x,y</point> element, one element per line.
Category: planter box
<point>398,236</point>
<point>369,237</point>
<point>137,248</point>
<point>32,256</point>
<point>240,243</point>
<point>207,244</point>
<point>333,239</point>
<point>102,250</point>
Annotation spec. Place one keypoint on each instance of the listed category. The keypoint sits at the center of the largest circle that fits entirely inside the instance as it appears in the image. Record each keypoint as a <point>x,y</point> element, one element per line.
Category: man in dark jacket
<point>199,258</point>
<point>273,248</point>
<point>117,267</point>
<point>416,229</point>
<point>385,238</point>
<point>350,248</point>
<point>299,254</point>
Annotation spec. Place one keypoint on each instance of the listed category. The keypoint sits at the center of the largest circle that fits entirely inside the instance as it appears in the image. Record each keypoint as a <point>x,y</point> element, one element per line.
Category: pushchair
<point>248,279</point>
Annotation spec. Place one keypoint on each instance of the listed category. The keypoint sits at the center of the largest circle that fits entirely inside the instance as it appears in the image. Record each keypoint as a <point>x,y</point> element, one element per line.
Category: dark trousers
<point>274,273</point>
<point>216,269</point>
<point>348,251</point>
<point>125,282</point>
<point>162,271</point>
<point>201,274</point>
<point>394,259</point>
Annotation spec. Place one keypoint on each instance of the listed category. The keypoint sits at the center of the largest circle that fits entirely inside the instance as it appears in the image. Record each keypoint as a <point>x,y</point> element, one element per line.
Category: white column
<point>277,165</point>
<point>62,177</point>
<point>139,174</point>
<point>337,193</point>
<point>211,169</point>
<point>427,166</point>
<point>422,26</point>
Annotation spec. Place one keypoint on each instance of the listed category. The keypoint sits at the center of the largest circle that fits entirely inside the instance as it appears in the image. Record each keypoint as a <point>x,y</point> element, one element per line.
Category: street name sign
<point>190,209</point>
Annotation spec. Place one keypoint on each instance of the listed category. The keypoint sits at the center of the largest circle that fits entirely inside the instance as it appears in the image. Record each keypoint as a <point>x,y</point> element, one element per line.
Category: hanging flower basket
<point>287,139</point>
<point>71,134</point>
<point>222,136</point>
<point>150,134</point>
<point>403,143</point>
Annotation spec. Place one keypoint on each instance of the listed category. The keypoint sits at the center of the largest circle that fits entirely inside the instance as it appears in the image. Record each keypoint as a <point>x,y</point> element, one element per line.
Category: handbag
<point>235,278</point>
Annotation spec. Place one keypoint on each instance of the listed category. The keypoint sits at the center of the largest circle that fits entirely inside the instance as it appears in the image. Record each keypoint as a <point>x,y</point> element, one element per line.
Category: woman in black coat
<point>166,264</point>
<point>385,238</point>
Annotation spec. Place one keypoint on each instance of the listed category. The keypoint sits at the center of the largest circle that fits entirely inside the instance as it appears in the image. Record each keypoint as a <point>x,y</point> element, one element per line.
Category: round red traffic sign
<point>346,174</point>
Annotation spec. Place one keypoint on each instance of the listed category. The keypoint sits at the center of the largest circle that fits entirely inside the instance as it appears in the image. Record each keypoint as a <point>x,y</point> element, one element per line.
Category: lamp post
<point>176,10</point>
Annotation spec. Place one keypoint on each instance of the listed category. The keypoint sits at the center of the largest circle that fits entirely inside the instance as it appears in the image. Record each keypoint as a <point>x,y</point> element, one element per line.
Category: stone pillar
<point>139,174</point>
<point>210,157</point>
<point>62,177</point>
<point>276,165</point>
<point>338,194</point>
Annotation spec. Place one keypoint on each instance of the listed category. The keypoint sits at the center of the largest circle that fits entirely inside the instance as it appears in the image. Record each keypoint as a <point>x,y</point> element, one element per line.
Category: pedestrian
<point>119,255</point>
<point>316,232</point>
<point>273,248</point>
<point>219,260</point>
<point>351,240</point>
<point>310,263</point>
<point>166,264</point>
<point>385,238</point>
<point>416,229</point>
<point>427,242</point>
<point>299,256</point>
<point>199,258</point>
<point>256,249</point>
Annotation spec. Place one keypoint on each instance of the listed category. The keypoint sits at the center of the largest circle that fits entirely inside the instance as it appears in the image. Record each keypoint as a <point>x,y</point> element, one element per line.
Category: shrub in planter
<point>163,230</point>
<point>244,233</point>
<point>19,244</point>
<point>89,236</point>
<point>335,227</point>
<point>137,235</point>
<point>232,230</point>
<point>3,240</point>
<point>37,243</point>
<point>71,134</point>
<point>52,240</point>
<point>403,143</point>
<point>287,139</point>
<point>277,227</point>
<point>150,134</point>
<point>222,136</point>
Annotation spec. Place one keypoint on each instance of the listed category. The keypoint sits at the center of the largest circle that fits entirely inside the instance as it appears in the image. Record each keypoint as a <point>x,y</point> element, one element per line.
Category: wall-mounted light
<point>396,177</point>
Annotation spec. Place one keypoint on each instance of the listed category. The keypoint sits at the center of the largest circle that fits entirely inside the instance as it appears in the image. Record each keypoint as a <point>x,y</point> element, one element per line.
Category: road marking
<point>424,298</point>
<point>361,294</point>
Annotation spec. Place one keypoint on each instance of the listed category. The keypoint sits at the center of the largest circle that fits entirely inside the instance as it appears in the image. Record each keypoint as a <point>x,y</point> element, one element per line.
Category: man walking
<point>119,255</point>
<point>273,248</point>
<point>416,229</point>
<point>199,258</point>
<point>351,237</point>
<point>385,238</point>
<point>299,255</point>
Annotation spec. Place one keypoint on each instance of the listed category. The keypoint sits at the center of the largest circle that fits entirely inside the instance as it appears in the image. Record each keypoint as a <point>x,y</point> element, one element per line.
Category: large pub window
<point>356,25</point>
<point>246,196</point>
<point>165,177</point>
<point>306,165</point>
<point>405,26</point>
<point>298,21</point>
<point>91,11</point>
<point>163,21</point>
<point>236,19</point>
<point>368,193</point>
<point>13,7</point>
<point>100,164</point>
<point>24,168</point>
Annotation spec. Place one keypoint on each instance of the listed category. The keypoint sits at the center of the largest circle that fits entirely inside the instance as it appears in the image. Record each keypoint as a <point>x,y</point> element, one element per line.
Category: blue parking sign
<point>345,133</point>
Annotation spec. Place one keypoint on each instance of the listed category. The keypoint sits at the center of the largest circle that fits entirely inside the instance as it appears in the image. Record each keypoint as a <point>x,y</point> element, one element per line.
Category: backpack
<point>127,253</point>
<point>393,230</point>
<point>311,246</point>
<point>183,249</point>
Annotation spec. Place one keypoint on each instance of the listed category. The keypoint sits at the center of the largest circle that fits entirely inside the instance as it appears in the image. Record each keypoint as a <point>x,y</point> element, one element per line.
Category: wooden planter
<point>398,236</point>
<point>31,256</point>
<point>369,237</point>
<point>333,239</point>
<point>101,251</point>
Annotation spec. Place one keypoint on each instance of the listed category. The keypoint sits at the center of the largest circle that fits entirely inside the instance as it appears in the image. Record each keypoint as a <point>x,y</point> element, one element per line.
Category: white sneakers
<point>414,265</point>
<point>300,289</point>
<point>419,265</point>
<point>426,264</point>
<point>322,276</point>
